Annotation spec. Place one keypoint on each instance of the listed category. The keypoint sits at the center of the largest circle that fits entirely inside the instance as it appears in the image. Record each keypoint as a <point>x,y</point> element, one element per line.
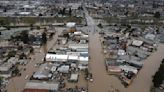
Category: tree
<point>31,26</point>
<point>100,25</point>
<point>157,15</point>
<point>38,27</point>
<point>44,38</point>
<point>20,47</point>
<point>11,54</point>
<point>70,11</point>
<point>158,78</point>
<point>40,14</point>
<point>22,56</point>
<point>31,50</point>
<point>63,12</point>
<point>24,37</point>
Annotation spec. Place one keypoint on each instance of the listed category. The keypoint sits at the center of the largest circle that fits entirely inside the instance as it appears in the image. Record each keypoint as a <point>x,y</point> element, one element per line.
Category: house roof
<point>73,57</point>
<point>42,85</point>
<point>56,57</point>
<point>35,90</point>
<point>137,42</point>
<point>71,24</point>
<point>74,77</point>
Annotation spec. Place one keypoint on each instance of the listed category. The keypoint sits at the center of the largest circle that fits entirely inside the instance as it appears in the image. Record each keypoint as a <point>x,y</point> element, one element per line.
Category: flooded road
<point>97,66</point>
<point>107,83</point>
<point>17,84</point>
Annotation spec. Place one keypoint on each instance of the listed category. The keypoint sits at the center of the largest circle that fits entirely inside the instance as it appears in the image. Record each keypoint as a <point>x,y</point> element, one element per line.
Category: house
<point>83,60</point>
<point>127,68</point>
<point>56,58</point>
<point>78,46</point>
<point>121,52</point>
<point>51,87</point>
<point>35,90</point>
<point>74,77</point>
<point>64,69</point>
<point>43,72</point>
<point>71,24</point>
<point>137,43</point>
<point>150,36</point>
<point>6,70</point>
<point>73,58</point>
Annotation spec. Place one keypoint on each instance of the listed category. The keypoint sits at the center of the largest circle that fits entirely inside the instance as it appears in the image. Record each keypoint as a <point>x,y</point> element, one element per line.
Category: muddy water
<point>17,84</point>
<point>97,66</point>
<point>106,83</point>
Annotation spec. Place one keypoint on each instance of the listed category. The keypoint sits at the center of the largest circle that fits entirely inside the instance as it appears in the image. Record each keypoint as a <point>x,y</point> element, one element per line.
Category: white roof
<point>83,59</point>
<point>64,69</point>
<point>137,43</point>
<point>73,57</point>
<point>56,57</point>
<point>76,46</point>
<point>77,33</point>
<point>121,52</point>
<point>71,24</point>
<point>42,85</point>
<point>129,68</point>
<point>25,13</point>
<point>53,68</point>
<point>5,66</point>
<point>150,36</point>
<point>74,77</point>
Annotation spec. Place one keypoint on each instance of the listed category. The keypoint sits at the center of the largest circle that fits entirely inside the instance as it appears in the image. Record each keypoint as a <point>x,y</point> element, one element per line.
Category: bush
<point>158,78</point>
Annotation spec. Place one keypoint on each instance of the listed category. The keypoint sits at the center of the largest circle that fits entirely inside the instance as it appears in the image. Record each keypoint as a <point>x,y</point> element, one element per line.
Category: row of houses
<point>62,64</point>
<point>125,53</point>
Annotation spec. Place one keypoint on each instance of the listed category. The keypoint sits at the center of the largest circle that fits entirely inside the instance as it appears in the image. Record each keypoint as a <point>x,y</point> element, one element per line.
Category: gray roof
<point>42,85</point>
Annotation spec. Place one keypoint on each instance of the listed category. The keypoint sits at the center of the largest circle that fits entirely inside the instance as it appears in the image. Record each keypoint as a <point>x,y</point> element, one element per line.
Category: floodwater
<point>17,84</point>
<point>108,83</point>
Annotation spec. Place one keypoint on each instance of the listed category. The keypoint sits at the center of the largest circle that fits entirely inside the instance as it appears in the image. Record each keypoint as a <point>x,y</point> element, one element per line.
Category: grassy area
<point>32,20</point>
<point>132,19</point>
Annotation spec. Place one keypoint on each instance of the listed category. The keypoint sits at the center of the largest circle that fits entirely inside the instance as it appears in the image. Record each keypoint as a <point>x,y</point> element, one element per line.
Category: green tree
<point>157,15</point>
<point>24,37</point>
<point>70,11</point>
<point>158,78</point>
<point>44,38</point>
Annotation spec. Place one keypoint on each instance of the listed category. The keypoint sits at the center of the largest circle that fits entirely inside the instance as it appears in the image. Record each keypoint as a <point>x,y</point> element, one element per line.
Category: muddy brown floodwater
<point>106,83</point>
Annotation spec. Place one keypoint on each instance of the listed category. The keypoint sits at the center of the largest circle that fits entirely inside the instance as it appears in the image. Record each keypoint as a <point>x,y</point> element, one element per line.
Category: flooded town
<point>81,45</point>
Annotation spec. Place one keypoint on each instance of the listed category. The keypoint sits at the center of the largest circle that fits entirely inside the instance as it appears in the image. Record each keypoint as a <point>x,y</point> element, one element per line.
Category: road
<point>96,64</point>
<point>105,83</point>
<point>17,84</point>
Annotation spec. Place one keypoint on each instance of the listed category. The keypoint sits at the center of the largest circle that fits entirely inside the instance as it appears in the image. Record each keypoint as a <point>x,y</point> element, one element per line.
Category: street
<point>16,84</point>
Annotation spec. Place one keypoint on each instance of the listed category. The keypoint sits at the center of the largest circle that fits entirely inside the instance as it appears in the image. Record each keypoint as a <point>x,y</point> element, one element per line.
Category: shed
<point>150,36</point>
<point>137,42</point>
<point>64,69</point>
<point>71,24</point>
<point>74,77</point>
<point>121,52</point>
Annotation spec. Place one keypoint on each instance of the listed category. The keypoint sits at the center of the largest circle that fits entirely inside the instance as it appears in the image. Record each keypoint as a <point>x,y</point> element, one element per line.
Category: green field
<point>5,21</point>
